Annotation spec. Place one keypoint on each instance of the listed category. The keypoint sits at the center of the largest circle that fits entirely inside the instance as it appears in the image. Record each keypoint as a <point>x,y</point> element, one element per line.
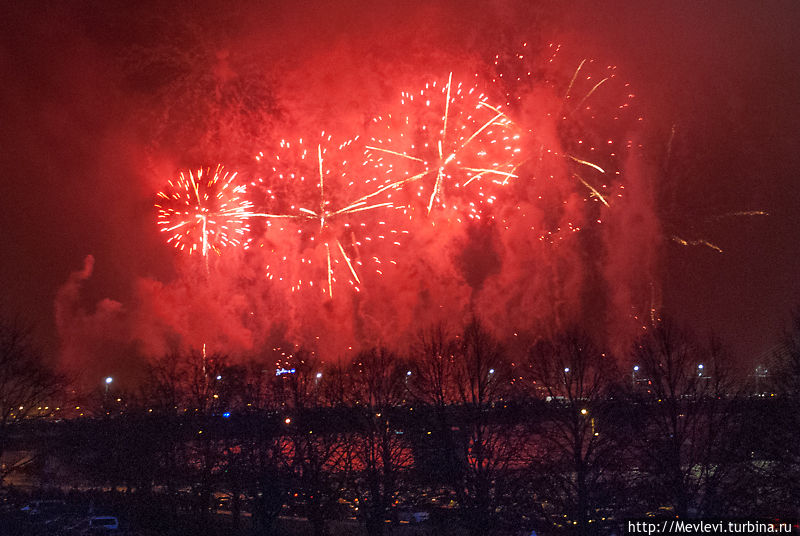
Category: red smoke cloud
<point>571,238</point>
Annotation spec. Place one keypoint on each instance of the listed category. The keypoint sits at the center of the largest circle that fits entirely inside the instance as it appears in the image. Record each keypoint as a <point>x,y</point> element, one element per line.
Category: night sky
<point>102,102</point>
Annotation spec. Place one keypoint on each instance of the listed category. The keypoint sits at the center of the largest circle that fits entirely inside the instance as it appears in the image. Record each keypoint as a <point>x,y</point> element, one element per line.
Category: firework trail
<point>702,242</point>
<point>204,211</point>
<point>328,218</point>
<point>444,138</point>
<point>680,227</point>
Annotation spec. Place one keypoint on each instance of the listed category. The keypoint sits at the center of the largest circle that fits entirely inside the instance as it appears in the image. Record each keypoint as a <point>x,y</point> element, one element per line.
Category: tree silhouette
<point>29,387</point>
<point>382,455</point>
<point>485,446</point>
<point>685,423</point>
<point>774,429</point>
<point>579,452</point>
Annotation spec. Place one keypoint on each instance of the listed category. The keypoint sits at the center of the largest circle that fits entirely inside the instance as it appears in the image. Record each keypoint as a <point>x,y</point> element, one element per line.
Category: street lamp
<point>107,381</point>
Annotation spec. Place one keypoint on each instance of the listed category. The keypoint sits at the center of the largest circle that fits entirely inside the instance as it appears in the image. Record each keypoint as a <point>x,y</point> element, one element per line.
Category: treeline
<point>555,435</point>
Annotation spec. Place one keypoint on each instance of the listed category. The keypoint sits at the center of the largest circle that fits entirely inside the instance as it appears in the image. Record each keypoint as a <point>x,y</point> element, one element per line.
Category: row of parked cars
<point>57,517</point>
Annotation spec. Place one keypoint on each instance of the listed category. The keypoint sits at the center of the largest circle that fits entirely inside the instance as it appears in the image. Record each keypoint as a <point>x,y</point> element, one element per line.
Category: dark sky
<point>724,74</point>
<point>81,158</point>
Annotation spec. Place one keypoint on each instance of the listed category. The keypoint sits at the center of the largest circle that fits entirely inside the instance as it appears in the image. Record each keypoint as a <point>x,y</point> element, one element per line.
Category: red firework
<point>447,146</point>
<point>327,221</point>
<point>573,114</point>
<point>204,211</point>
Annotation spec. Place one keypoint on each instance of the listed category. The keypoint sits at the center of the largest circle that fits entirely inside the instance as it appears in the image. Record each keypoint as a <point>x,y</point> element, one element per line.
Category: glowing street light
<point>108,381</point>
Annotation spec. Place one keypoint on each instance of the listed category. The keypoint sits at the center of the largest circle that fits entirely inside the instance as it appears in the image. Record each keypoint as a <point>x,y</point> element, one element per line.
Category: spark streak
<point>592,189</point>
<point>742,213</point>
<point>586,163</point>
<point>699,242</point>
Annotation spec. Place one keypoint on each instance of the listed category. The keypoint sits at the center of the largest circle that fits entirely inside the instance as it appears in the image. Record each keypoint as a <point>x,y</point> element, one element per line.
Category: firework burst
<point>204,211</point>
<point>446,146</point>
<point>570,114</point>
<point>328,219</point>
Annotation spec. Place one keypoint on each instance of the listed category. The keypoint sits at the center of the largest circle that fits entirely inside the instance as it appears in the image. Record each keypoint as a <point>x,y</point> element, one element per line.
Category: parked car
<point>43,507</point>
<point>103,524</point>
<point>412,516</point>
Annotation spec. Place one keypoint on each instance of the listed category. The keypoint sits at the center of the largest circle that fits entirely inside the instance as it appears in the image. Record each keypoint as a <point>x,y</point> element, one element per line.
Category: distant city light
<point>226,415</point>
<point>282,371</point>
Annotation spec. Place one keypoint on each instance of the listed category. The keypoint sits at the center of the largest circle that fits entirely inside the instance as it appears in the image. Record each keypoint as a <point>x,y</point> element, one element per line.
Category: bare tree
<point>578,447</point>
<point>164,382</point>
<point>432,388</point>
<point>28,387</point>
<point>316,443</point>
<point>203,401</point>
<point>685,419</point>
<point>189,391</point>
<point>382,454</point>
<point>256,461</point>
<point>433,367</point>
<point>785,376</point>
<point>472,448</point>
<point>774,424</point>
<point>486,447</point>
